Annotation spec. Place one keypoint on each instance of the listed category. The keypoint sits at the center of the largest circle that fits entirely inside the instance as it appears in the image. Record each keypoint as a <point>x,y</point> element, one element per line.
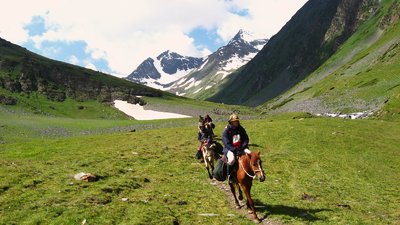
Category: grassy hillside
<point>151,176</point>
<point>298,49</point>
<point>362,75</point>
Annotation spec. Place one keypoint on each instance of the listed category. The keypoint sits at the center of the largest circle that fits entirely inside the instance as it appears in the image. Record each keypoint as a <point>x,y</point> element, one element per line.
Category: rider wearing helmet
<point>235,139</point>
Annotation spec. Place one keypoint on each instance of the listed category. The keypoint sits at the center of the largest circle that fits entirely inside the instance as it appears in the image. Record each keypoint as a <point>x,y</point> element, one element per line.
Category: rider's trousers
<point>231,156</point>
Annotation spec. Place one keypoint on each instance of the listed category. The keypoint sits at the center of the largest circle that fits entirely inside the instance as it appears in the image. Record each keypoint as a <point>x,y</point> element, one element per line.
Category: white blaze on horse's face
<point>258,171</point>
<point>261,178</point>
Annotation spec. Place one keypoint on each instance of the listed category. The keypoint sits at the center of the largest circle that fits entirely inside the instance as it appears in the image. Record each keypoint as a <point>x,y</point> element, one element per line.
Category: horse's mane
<point>252,157</point>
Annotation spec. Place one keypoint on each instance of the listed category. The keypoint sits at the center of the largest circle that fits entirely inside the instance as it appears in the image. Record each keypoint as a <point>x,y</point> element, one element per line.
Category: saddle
<point>239,154</point>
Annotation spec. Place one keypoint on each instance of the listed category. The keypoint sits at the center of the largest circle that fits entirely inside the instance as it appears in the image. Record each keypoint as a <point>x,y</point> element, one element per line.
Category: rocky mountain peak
<point>164,71</point>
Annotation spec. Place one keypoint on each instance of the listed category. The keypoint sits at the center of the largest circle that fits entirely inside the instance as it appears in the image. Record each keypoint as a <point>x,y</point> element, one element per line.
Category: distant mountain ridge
<point>164,69</point>
<point>184,75</point>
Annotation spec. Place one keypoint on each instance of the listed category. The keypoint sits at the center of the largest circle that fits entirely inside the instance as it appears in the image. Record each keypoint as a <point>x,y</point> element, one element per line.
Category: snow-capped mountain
<point>217,66</point>
<point>190,76</point>
<point>166,68</point>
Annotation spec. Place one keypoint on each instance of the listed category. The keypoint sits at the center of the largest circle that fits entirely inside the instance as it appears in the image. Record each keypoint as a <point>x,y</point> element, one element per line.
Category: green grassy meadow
<point>339,162</point>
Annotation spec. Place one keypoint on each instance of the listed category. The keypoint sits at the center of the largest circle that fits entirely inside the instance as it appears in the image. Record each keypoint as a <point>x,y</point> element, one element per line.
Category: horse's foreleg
<point>207,166</point>
<point>212,167</point>
<point>240,192</point>
<point>234,195</point>
<point>250,203</point>
<point>209,174</point>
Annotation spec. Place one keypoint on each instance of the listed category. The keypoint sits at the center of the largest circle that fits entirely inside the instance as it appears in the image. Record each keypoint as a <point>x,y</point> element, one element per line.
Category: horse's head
<point>255,164</point>
<point>208,149</point>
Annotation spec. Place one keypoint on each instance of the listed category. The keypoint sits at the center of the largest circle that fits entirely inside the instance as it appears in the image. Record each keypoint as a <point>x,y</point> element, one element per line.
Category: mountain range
<point>191,76</point>
<point>331,56</point>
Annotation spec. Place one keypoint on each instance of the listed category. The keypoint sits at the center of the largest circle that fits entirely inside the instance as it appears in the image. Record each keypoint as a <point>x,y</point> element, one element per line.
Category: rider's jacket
<point>204,135</point>
<point>233,138</point>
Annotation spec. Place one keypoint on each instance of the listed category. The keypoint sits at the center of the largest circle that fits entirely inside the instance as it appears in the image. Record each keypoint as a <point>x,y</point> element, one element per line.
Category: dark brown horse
<point>248,168</point>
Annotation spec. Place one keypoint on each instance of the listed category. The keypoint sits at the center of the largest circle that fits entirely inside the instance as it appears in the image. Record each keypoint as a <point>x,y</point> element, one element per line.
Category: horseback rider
<point>204,136</point>
<point>207,119</point>
<point>201,119</point>
<point>235,141</point>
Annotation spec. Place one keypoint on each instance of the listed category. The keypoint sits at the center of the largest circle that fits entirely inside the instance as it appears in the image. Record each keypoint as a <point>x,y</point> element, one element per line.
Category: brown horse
<point>209,156</point>
<point>248,168</point>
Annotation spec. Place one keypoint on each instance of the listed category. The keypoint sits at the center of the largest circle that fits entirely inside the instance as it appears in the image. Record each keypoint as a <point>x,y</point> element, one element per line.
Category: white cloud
<point>264,16</point>
<point>73,60</point>
<point>126,32</point>
<point>206,52</point>
<point>90,66</point>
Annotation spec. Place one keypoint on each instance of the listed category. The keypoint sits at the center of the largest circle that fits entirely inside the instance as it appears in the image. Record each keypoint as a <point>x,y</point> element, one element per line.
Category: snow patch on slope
<point>168,78</point>
<point>251,36</point>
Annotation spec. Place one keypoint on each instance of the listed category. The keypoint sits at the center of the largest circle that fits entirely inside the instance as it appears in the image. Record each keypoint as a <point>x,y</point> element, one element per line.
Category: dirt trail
<point>224,187</point>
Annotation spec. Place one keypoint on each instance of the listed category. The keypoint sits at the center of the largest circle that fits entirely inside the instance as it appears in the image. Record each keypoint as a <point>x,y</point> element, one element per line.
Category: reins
<point>252,168</point>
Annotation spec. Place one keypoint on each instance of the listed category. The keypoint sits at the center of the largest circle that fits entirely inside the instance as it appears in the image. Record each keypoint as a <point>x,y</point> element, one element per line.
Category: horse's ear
<point>249,155</point>
<point>258,152</point>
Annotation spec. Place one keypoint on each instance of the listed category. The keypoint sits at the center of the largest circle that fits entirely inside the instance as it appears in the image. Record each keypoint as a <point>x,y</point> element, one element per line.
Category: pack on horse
<point>209,156</point>
<point>248,167</point>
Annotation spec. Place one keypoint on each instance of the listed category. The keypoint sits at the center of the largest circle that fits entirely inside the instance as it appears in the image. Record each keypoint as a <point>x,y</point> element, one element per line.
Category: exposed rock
<point>358,115</point>
<point>85,176</point>
<point>7,100</point>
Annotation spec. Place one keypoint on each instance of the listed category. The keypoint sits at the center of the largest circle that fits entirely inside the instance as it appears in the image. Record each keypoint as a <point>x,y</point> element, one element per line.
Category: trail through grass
<point>337,161</point>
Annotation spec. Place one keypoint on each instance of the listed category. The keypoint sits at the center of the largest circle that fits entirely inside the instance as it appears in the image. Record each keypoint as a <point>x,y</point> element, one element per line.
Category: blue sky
<point>116,36</point>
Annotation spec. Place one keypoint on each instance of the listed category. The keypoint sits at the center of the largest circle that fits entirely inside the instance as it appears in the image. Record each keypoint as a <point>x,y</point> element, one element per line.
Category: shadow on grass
<point>300,214</point>
<point>254,145</point>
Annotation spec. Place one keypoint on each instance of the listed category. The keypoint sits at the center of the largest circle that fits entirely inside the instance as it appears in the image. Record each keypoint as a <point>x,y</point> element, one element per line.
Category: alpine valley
<point>332,56</point>
<point>336,56</point>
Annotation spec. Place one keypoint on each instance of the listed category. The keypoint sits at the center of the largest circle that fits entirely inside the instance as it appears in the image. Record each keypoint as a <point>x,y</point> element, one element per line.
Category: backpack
<point>218,148</point>
<point>220,170</point>
<point>198,155</point>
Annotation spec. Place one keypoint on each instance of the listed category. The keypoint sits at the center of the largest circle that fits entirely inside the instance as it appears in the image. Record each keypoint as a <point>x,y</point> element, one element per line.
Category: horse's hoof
<point>257,221</point>
<point>250,212</point>
<point>240,197</point>
<point>238,206</point>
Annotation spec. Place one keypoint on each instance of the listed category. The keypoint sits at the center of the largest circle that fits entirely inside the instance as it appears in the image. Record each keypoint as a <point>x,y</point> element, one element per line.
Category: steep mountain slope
<point>187,76</point>
<point>362,75</point>
<point>313,35</point>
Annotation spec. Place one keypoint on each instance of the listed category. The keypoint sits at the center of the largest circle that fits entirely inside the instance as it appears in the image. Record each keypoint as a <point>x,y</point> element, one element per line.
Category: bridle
<point>252,168</point>
<point>207,147</point>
